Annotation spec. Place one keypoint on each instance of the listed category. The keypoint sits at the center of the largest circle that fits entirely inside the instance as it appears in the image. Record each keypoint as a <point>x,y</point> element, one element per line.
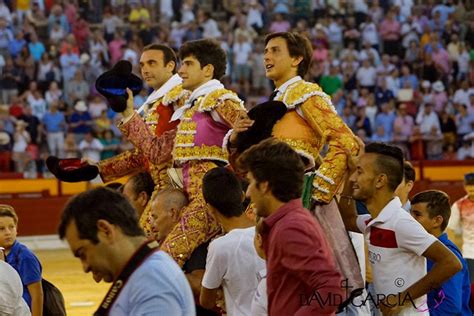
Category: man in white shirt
<point>366,75</point>
<point>398,244</point>
<point>427,119</point>
<point>232,261</point>
<point>91,148</point>
<point>209,25</point>
<point>461,96</point>
<point>11,291</point>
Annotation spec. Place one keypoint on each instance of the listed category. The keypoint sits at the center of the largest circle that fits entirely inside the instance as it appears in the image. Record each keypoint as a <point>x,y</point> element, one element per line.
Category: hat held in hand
<point>112,85</point>
<point>71,169</point>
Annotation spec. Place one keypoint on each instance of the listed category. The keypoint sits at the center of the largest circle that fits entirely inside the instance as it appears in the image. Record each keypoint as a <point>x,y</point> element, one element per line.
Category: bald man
<point>165,211</point>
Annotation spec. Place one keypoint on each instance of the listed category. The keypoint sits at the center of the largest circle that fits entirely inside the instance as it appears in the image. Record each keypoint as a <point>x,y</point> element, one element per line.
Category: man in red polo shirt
<point>302,278</point>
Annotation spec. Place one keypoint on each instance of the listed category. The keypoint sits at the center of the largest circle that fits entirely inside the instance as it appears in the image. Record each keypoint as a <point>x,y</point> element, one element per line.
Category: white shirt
<point>254,17</point>
<point>233,262</point>
<point>426,122</point>
<point>396,243</point>
<point>11,291</point>
<point>463,61</point>
<point>335,33</point>
<point>260,300</point>
<point>130,55</point>
<point>462,96</point>
<point>405,6</point>
<point>366,76</point>
<point>91,150</point>
<point>242,52</point>
<point>366,53</point>
<point>369,33</point>
<point>210,29</point>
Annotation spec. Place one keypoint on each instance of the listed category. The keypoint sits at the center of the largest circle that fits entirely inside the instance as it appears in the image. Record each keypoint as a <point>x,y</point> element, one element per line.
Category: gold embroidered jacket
<point>156,119</point>
<point>311,123</point>
<point>201,134</point>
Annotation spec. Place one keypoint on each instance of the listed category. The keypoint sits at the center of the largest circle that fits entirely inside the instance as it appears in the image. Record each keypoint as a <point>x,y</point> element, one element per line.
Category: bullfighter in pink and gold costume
<point>205,120</point>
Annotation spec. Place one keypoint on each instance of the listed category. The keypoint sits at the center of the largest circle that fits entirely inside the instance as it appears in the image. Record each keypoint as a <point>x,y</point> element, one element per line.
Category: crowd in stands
<point>396,73</point>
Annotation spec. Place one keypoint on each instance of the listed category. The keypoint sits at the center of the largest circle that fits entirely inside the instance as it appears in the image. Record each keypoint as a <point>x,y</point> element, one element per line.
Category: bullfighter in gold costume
<point>205,120</point>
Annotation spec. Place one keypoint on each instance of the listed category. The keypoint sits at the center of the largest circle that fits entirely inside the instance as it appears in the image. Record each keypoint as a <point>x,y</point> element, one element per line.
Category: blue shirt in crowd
<point>24,261</point>
<point>16,46</point>
<point>81,116</point>
<point>37,50</point>
<point>52,122</point>
<point>453,296</point>
<point>157,287</point>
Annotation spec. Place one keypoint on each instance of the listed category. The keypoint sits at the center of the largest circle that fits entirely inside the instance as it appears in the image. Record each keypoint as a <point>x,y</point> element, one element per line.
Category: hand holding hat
<point>71,169</point>
<point>112,85</point>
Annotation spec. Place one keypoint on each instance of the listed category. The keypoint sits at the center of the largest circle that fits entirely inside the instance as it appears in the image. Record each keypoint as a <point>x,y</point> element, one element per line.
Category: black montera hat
<point>264,115</point>
<point>72,169</point>
<point>112,85</point>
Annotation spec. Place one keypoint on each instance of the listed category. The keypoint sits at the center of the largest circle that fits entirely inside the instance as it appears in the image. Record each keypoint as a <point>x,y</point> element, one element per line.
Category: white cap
<point>80,106</point>
<point>84,58</point>
<point>438,86</point>
<point>11,292</point>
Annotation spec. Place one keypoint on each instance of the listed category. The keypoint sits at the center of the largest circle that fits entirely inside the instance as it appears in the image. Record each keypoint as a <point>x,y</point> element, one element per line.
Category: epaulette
<point>174,95</point>
<point>300,91</point>
<point>215,98</point>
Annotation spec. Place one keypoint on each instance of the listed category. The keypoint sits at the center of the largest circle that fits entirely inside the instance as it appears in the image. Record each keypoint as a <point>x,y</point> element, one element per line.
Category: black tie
<point>273,95</point>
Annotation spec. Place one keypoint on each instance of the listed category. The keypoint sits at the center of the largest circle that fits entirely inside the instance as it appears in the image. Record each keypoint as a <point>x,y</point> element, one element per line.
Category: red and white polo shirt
<point>396,244</point>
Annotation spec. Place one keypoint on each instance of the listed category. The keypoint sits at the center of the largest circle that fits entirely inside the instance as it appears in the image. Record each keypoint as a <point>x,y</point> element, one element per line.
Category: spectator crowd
<point>398,71</point>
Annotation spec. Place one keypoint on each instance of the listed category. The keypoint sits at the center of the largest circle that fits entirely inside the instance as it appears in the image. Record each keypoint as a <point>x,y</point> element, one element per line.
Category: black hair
<point>143,182</point>
<point>207,52</point>
<point>275,162</point>
<point>408,172</point>
<point>389,162</point>
<point>168,54</point>
<point>117,186</point>
<point>298,46</point>
<point>86,208</point>
<point>437,204</point>
<point>222,190</point>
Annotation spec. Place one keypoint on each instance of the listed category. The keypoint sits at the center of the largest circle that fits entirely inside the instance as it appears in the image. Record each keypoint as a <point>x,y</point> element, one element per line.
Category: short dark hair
<point>408,172</point>
<point>86,208</point>
<point>168,54</point>
<point>298,46</point>
<point>389,162</point>
<point>117,186</point>
<point>437,204</point>
<point>143,182</point>
<point>222,190</point>
<point>207,52</point>
<point>276,162</point>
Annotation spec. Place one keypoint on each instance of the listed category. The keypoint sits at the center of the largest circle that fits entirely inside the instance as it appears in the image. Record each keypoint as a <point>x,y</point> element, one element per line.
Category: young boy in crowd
<point>21,259</point>
<point>232,261</point>
<point>432,210</point>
